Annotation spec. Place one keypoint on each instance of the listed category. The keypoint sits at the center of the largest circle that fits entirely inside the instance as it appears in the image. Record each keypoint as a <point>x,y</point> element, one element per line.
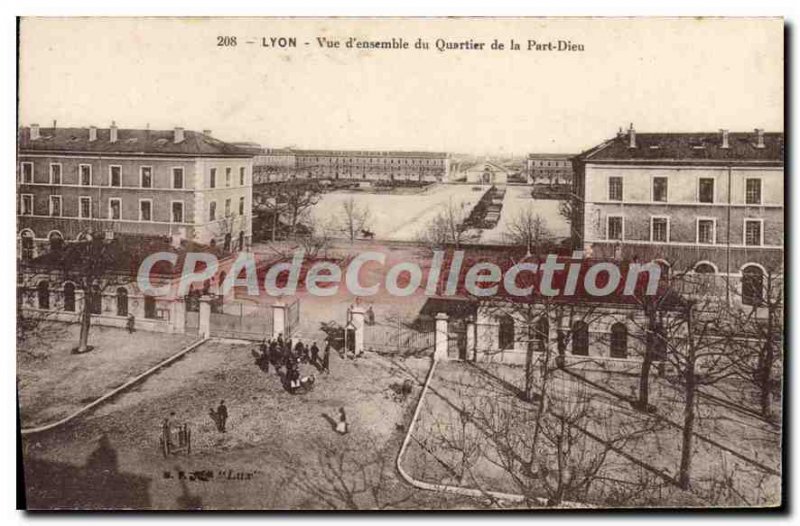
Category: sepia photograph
<point>394,264</point>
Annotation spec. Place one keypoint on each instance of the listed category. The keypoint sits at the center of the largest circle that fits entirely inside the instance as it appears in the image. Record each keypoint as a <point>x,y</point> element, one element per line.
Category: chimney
<point>92,133</point>
<point>759,137</point>
<point>112,132</point>
<point>620,133</point>
<point>34,132</point>
<point>207,132</point>
<point>725,140</point>
<point>178,135</point>
<point>631,137</point>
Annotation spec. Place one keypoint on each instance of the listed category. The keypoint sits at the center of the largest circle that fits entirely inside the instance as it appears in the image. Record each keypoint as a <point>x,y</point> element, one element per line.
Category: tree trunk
<point>529,385</point>
<point>765,396</point>
<point>86,323</point>
<point>690,389</point>
<point>644,375</point>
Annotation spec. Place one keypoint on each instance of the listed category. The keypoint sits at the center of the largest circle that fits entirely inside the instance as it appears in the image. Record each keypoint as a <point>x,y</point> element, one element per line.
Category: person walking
<point>326,359</point>
<point>222,415</point>
<point>314,353</point>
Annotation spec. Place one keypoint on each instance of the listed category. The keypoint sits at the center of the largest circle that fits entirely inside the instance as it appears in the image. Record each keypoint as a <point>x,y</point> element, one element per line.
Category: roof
<point>557,156</point>
<point>368,153</point>
<point>129,142</point>
<point>694,148</point>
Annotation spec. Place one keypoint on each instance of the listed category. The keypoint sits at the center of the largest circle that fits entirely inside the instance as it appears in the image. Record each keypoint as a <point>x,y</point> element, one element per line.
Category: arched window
<point>56,241</point>
<point>95,300</point>
<point>580,338</point>
<point>705,268</point>
<point>542,333</point>
<point>506,332</point>
<point>27,244</point>
<point>69,297</point>
<point>43,294</point>
<point>619,341</point>
<point>752,285</point>
<point>122,301</point>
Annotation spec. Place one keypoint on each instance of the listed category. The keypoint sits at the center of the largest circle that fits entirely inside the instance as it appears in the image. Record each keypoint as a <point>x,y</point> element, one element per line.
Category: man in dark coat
<point>314,353</point>
<point>222,415</point>
<point>326,358</point>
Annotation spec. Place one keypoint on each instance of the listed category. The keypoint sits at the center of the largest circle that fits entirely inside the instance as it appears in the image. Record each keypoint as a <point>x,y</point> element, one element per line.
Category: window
<point>241,175</point>
<point>56,241</point>
<point>705,193</point>
<point>542,333</point>
<point>706,231</point>
<point>227,177</point>
<point>26,206</point>
<point>753,232</point>
<point>95,300</point>
<point>69,297</point>
<point>115,175</point>
<point>659,229</point>
<point>177,211</point>
<point>177,178</point>
<point>619,341</point>
<point>580,338</point>
<point>212,178</point>
<point>615,188</point>
<point>43,295</point>
<point>614,228</point>
<point>85,174</point>
<point>752,193</point>
<point>212,211</point>
<point>150,307</point>
<point>752,285</point>
<point>660,189</point>
<point>115,208</point>
<point>146,177</point>
<point>241,206</point>
<point>145,210</point>
<point>55,173</point>
<point>55,205</point>
<point>506,335</point>
<point>122,302</point>
<point>27,172</point>
<point>227,207</point>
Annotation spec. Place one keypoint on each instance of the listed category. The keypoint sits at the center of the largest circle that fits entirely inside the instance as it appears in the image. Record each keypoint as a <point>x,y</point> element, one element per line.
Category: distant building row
<point>282,164</point>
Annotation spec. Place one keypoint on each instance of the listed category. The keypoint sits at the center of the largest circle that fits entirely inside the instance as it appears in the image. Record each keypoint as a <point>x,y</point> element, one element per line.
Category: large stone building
<point>546,168</point>
<point>174,183</point>
<point>705,202</point>
<point>276,165</point>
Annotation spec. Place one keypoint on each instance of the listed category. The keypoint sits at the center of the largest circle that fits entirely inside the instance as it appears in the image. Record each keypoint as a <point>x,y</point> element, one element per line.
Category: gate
<point>400,338</point>
<point>292,316</point>
<point>242,321</point>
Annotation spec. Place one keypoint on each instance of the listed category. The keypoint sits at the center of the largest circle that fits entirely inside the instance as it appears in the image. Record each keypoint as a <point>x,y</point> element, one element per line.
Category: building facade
<point>543,168</point>
<point>174,183</point>
<point>704,202</point>
<point>355,165</point>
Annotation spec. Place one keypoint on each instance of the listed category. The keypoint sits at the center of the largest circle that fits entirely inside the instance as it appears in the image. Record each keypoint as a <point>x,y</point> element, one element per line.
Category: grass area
<point>283,442</point>
<point>52,382</point>
<point>475,431</point>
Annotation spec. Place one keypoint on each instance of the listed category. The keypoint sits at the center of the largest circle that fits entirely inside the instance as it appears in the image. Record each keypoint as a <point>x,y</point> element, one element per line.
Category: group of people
<point>286,354</point>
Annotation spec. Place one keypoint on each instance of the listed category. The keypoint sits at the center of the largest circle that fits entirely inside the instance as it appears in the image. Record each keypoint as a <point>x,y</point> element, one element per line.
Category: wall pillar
<point>472,347</point>
<point>440,349</point>
<point>178,318</point>
<point>357,314</point>
<point>279,319</point>
<point>204,325</point>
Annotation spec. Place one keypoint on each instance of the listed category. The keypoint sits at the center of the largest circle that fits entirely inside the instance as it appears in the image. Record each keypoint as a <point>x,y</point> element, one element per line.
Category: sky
<point>661,75</point>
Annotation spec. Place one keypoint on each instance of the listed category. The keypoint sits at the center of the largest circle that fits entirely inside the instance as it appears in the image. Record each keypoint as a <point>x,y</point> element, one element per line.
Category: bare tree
<point>528,229</point>
<point>289,200</point>
<point>447,228</point>
<point>353,218</point>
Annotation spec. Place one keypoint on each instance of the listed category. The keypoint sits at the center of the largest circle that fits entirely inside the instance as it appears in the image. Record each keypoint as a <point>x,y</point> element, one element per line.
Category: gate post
<point>440,348</point>
<point>279,319</point>
<point>178,318</point>
<point>204,325</point>
<point>471,344</point>
<point>357,314</point>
